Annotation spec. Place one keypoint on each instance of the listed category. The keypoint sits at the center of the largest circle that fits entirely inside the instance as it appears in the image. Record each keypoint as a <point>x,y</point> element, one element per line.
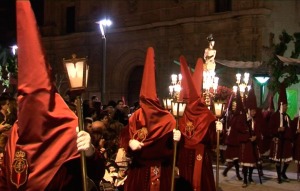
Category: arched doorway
<point>134,84</point>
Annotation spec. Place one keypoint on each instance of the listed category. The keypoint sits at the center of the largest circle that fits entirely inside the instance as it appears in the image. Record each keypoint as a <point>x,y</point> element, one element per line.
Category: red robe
<point>265,143</point>
<point>281,147</point>
<point>197,127</point>
<point>199,134</point>
<point>296,140</point>
<point>249,153</point>
<point>151,167</point>
<point>232,150</point>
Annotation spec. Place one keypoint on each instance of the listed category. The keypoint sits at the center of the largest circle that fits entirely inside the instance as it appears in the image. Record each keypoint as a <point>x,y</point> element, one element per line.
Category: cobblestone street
<point>269,180</point>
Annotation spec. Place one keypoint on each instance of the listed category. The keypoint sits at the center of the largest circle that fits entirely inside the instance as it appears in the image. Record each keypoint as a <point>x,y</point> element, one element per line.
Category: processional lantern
<point>77,72</point>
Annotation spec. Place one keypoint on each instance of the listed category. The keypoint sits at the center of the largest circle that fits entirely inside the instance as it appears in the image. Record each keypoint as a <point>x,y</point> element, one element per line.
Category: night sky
<point>8,20</point>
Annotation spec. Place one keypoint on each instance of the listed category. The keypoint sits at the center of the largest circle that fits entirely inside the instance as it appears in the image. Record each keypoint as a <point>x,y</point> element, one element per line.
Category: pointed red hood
<point>196,115</point>
<point>45,129</point>
<point>186,75</point>
<point>198,76</point>
<point>148,88</point>
<point>151,114</point>
<point>282,95</point>
<point>34,75</point>
<point>251,100</point>
<point>185,87</point>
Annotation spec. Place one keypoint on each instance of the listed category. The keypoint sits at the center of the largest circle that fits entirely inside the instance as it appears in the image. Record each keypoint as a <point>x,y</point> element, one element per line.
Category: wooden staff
<point>218,153</point>
<point>82,154</point>
<point>174,155</point>
<point>177,116</point>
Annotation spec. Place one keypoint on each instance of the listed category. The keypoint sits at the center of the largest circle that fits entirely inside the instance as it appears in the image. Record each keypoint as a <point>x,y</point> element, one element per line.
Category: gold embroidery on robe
<point>189,129</point>
<point>141,134</point>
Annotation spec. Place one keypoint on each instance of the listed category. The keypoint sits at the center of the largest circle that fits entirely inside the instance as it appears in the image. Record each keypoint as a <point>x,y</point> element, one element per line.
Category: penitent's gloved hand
<point>135,144</point>
<point>176,135</point>
<point>84,143</point>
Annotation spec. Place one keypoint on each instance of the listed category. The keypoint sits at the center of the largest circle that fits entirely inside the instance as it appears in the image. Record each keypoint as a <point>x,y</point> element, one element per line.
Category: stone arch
<point>125,64</point>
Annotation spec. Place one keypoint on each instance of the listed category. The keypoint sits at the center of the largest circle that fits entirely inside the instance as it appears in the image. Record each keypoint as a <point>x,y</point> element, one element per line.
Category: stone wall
<point>172,27</point>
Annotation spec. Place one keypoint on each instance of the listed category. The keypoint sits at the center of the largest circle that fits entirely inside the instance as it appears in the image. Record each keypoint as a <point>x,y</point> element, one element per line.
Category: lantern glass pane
<point>178,109</point>
<point>75,73</point>
<point>218,109</point>
<point>167,103</point>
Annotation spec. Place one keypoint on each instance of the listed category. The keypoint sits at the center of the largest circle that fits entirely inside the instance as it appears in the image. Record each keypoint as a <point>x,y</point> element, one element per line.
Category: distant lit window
<point>70,19</point>
<point>223,5</point>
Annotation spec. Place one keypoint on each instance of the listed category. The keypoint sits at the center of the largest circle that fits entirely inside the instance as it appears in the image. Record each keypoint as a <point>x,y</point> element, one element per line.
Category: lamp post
<point>12,78</point>
<point>77,73</point>
<point>102,25</point>
<point>14,49</point>
<point>262,79</point>
<point>218,109</point>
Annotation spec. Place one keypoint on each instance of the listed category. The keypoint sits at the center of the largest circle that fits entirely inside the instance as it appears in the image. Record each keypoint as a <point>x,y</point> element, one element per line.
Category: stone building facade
<point>173,27</point>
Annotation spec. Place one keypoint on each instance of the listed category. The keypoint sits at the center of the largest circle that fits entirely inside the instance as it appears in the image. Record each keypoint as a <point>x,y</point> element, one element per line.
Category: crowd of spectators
<point>105,123</point>
<point>8,115</point>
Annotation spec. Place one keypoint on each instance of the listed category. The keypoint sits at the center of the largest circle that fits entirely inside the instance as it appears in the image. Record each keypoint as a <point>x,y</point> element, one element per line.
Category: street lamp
<point>77,72</point>
<point>262,79</point>
<point>102,25</point>
<point>14,49</point>
<point>13,68</point>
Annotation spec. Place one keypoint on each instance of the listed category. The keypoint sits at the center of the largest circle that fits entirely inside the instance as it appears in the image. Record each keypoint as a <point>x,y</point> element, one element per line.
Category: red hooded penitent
<point>44,137</point>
